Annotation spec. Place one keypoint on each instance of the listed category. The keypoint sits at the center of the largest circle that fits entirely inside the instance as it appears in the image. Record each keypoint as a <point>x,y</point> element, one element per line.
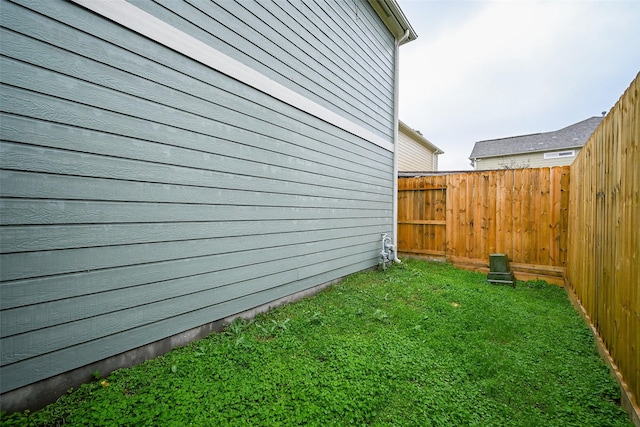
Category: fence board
<point>517,216</point>
<point>544,230</point>
<point>508,218</point>
<point>554,214</point>
<point>499,206</point>
<point>489,209</point>
<point>466,226</point>
<point>478,223</point>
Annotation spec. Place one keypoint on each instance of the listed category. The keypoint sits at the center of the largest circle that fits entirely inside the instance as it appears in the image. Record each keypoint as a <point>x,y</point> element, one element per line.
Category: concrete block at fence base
<point>499,271</point>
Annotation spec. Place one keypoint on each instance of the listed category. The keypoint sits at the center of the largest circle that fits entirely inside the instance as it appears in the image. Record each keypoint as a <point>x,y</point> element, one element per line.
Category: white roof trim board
<point>138,20</point>
<point>393,17</point>
<point>419,137</point>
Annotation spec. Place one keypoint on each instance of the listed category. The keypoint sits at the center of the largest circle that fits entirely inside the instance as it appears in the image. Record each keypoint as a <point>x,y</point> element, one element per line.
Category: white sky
<point>492,69</point>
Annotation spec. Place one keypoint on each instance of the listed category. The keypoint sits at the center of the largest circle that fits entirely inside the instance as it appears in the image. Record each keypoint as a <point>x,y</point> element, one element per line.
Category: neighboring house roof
<point>417,136</point>
<point>573,136</point>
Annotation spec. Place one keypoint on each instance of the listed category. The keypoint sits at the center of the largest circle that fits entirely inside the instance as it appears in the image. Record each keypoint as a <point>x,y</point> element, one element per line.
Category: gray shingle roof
<point>572,136</point>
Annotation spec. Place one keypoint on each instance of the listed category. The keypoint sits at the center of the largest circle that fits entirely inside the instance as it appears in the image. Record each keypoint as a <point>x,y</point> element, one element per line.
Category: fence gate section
<point>422,221</point>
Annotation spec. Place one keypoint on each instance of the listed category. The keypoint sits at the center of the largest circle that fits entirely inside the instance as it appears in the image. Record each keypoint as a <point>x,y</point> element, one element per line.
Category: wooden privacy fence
<point>604,234</point>
<point>464,217</point>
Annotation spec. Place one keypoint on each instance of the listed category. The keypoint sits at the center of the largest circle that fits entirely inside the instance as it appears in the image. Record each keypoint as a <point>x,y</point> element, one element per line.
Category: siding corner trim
<point>143,23</point>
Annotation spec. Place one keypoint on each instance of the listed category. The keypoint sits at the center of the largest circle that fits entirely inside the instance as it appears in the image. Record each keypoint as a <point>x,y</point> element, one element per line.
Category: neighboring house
<point>417,153</point>
<point>556,148</point>
<point>167,165</point>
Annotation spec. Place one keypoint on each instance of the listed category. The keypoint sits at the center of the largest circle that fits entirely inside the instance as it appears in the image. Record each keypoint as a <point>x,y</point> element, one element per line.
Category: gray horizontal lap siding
<point>145,194</point>
<point>337,61</point>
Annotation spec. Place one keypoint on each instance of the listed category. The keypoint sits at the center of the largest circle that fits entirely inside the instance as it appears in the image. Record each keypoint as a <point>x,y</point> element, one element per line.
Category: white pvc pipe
<point>396,121</point>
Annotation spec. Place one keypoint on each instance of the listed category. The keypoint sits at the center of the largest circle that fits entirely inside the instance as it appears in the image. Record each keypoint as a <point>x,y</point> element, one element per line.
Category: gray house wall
<point>145,193</point>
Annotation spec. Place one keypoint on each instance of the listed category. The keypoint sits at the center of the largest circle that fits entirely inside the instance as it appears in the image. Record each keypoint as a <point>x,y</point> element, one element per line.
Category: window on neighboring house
<point>556,154</point>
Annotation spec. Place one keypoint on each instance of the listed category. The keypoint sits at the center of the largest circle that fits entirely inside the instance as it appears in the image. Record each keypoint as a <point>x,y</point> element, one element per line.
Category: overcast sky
<point>492,69</point>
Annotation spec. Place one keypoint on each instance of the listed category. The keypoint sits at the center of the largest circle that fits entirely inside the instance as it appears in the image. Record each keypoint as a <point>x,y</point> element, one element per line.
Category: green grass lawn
<point>422,344</point>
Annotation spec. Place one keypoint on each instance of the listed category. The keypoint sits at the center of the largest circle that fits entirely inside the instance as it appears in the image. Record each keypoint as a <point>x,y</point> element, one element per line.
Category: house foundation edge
<point>42,393</point>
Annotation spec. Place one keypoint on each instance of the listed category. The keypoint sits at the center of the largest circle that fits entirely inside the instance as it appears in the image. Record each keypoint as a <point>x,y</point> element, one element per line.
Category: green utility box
<point>499,271</point>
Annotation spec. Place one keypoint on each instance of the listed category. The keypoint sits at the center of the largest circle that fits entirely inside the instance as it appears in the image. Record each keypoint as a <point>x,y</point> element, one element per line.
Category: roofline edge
<point>395,20</point>
<point>422,139</point>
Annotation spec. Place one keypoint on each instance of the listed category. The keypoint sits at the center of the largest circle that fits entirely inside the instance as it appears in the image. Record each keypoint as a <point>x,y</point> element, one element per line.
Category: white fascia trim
<point>159,31</point>
<point>419,138</point>
<point>395,20</point>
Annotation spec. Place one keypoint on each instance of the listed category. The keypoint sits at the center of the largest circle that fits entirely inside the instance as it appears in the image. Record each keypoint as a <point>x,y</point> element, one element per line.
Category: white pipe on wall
<point>396,121</point>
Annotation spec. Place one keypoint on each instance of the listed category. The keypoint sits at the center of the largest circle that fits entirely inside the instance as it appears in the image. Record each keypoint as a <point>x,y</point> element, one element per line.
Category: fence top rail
<point>418,174</point>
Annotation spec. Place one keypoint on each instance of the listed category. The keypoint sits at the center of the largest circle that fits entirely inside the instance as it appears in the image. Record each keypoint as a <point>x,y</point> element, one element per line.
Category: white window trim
<point>559,154</point>
<point>157,30</point>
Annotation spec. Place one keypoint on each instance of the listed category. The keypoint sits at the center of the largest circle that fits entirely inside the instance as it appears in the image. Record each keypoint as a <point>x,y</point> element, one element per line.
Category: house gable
<point>416,153</point>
